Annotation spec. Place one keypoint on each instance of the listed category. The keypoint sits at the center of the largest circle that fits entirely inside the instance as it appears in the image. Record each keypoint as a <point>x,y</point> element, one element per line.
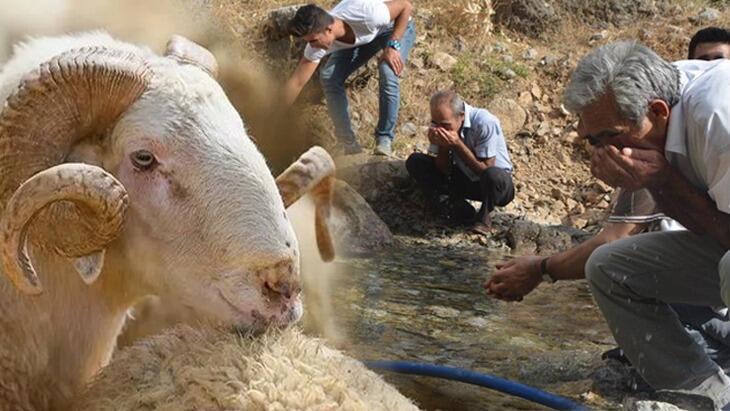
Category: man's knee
<point>595,268</point>
<point>491,175</point>
<point>386,72</point>
<point>724,269</point>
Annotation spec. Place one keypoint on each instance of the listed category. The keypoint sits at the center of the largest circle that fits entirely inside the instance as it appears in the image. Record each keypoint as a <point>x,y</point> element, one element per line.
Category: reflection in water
<point>425,303</point>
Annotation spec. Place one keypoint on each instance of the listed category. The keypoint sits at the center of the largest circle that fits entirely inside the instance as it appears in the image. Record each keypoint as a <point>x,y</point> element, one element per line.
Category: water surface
<point>424,302</point>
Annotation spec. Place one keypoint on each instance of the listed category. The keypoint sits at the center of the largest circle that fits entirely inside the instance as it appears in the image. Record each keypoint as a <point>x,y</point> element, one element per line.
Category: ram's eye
<point>143,160</point>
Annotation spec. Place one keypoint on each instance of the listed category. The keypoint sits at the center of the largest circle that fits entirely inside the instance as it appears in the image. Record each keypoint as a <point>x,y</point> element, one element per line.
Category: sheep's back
<point>191,369</point>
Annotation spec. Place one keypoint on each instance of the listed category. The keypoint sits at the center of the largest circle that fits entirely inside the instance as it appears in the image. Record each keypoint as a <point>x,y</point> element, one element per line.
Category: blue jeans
<point>342,63</point>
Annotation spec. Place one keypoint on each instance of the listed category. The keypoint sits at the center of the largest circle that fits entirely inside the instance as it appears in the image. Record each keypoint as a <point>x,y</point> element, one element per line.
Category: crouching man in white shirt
<point>664,127</point>
<point>351,34</point>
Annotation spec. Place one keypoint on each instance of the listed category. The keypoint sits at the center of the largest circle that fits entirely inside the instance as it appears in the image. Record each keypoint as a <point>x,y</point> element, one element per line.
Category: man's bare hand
<point>514,278</point>
<point>630,168</point>
<point>394,60</point>
<point>442,137</point>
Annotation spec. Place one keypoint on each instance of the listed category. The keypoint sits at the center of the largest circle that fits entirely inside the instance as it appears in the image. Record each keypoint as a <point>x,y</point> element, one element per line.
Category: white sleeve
<point>314,54</point>
<point>380,14</point>
<point>433,149</point>
<point>717,131</point>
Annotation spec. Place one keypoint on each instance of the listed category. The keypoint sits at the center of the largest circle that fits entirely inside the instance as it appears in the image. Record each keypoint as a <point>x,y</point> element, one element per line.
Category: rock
<point>275,27</point>
<point>509,74</point>
<point>549,60</point>
<point>602,35</point>
<point>499,48</point>
<point>357,230</point>
<point>543,130</point>
<point>668,401</point>
<point>707,15</point>
<point>535,91</point>
<point>508,58</point>
<point>528,237</point>
<point>572,137</point>
<point>443,61</point>
<point>529,17</point>
<point>529,54</point>
<point>525,99</point>
<point>416,62</point>
<point>409,129</point>
<point>511,116</point>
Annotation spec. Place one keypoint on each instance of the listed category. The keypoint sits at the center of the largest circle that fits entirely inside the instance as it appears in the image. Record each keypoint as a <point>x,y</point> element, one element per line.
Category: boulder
<point>357,230</point>
<point>526,237</point>
<point>443,61</point>
<point>275,27</point>
<point>511,115</point>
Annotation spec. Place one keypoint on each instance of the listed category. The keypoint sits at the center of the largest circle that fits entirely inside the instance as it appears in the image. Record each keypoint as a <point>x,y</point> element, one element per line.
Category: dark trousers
<point>494,187</point>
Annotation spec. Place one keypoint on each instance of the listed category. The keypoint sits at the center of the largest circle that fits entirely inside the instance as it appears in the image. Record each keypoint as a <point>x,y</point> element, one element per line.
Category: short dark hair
<point>708,35</point>
<point>309,19</point>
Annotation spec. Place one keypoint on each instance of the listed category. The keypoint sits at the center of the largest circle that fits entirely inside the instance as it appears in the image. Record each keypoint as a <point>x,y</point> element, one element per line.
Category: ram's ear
<point>313,173</point>
<point>185,51</point>
<point>89,266</point>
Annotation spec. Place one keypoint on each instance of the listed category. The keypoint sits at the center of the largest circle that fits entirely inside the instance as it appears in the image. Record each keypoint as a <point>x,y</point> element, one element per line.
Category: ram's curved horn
<point>313,172</point>
<point>76,95</point>
<point>94,190</point>
<point>188,52</point>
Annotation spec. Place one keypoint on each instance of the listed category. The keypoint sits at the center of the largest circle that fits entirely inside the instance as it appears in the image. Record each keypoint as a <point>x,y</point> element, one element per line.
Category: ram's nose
<point>281,280</point>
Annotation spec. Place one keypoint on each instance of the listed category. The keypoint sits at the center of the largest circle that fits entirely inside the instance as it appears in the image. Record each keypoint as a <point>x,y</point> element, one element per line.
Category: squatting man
<point>633,212</point>
<point>352,33</point>
<point>467,159</point>
<point>666,128</point>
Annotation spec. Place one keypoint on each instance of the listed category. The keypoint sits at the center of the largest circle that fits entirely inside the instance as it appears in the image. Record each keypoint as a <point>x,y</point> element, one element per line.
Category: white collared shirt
<point>698,135</point>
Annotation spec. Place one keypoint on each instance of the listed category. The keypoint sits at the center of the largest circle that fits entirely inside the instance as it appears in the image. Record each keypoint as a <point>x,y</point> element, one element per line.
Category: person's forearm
<point>461,150</point>
<point>291,91</point>
<point>570,264</point>
<point>400,23</point>
<point>692,207</point>
<point>443,162</point>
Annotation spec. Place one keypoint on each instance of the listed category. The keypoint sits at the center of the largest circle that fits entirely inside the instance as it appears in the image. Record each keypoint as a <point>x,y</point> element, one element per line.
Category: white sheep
<point>125,174</point>
<point>189,369</point>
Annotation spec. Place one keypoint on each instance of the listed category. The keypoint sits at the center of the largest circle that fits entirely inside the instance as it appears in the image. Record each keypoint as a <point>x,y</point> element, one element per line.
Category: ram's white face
<point>206,226</point>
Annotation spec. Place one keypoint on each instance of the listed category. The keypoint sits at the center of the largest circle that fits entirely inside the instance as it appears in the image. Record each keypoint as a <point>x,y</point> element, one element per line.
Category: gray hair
<point>631,71</point>
<point>450,97</point>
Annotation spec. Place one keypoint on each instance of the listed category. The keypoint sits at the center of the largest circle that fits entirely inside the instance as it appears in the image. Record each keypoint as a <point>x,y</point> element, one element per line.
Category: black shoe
<point>616,354</point>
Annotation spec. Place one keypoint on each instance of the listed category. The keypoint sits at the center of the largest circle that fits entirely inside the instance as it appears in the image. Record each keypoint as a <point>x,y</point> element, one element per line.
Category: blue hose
<point>471,377</point>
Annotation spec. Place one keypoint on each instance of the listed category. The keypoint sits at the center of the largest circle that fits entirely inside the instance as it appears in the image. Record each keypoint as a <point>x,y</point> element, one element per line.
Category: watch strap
<point>544,272</point>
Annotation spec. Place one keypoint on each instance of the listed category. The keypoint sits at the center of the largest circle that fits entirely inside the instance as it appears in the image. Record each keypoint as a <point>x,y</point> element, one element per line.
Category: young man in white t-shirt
<point>351,34</point>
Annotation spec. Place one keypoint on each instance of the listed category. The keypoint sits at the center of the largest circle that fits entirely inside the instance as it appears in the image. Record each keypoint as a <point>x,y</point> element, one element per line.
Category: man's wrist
<point>394,44</point>
<point>544,271</point>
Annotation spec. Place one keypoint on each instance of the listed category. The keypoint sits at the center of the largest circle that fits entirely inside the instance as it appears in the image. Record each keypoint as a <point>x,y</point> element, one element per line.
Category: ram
<point>124,174</point>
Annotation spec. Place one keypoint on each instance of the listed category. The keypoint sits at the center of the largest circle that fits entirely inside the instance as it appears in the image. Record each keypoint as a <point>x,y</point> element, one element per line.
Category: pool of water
<point>424,302</point>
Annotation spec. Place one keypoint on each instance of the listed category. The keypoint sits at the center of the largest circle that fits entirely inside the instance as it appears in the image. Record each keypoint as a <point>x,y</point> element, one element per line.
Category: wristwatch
<point>543,270</point>
<point>394,44</point>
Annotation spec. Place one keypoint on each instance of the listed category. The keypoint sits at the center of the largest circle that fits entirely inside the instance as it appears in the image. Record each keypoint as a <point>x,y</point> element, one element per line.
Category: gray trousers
<point>635,279</point>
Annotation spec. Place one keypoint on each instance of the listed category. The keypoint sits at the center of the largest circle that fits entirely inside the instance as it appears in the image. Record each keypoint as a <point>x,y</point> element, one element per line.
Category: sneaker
<point>383,147</point>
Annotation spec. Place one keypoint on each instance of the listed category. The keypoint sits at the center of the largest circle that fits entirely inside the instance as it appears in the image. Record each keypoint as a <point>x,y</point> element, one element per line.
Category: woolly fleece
<point>193,369</point>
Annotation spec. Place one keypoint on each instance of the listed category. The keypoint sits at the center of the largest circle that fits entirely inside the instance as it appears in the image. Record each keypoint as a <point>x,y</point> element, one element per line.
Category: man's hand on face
<point>442,137</point>
<point>630,168</point>
<point>514,279</point>
<point>394,60</point>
